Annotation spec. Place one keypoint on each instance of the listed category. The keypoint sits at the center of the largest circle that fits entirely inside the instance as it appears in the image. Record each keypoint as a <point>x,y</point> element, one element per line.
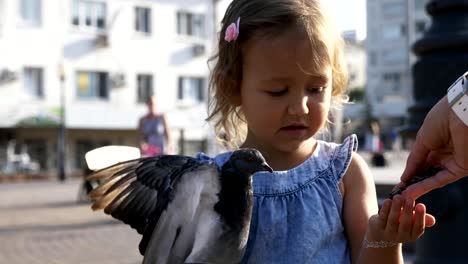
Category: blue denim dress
<point>298,213</point>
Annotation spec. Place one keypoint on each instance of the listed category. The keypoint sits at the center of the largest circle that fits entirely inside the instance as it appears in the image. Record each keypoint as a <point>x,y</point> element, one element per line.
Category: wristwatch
<point>457,95</point>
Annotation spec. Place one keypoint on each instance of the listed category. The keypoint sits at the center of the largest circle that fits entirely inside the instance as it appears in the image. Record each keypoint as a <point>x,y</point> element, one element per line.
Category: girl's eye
<point>316,89</point>
<point>277,93</point>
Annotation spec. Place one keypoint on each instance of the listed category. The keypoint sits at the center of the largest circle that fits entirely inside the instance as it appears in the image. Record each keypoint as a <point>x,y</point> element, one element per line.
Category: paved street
<point>42,223</point>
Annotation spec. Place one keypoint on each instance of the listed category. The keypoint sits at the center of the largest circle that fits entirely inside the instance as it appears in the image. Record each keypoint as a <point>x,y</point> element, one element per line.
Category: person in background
<point>396,142</point>
<point>155,136</point>
<point>374,145</point>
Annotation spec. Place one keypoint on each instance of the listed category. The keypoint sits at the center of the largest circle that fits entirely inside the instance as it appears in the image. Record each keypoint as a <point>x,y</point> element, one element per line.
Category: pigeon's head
<point>248,161</point>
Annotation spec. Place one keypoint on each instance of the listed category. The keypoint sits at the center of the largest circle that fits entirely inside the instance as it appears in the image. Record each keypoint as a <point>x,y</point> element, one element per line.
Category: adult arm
<point>442,141</point>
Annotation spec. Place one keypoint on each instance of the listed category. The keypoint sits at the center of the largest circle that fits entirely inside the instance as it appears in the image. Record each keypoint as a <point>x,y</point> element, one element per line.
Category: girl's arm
<point>359,204</point>
<point>366,228</point>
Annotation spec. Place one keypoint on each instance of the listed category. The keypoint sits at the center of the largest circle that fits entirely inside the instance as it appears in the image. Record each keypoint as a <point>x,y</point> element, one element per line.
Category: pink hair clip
<point>232,31</point>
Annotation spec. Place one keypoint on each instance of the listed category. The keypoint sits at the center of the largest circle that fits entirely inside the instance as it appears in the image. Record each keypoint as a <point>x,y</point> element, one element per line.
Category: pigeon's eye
<point>250,159</point>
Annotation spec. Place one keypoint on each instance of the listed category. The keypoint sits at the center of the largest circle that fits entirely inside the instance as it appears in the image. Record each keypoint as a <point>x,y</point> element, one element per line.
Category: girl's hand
<point>399,220</point>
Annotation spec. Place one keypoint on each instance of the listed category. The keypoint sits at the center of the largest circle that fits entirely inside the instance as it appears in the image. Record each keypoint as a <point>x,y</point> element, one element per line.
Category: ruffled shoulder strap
<point>339,155</point>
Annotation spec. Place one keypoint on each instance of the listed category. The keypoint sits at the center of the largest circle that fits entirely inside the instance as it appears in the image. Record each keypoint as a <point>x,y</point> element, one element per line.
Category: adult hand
<point>442,141</point>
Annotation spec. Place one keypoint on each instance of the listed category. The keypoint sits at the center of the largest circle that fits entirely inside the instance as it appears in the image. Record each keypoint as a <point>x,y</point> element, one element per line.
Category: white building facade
<point>392,28</point>
<point>354,113</point>
<point>99,60</point>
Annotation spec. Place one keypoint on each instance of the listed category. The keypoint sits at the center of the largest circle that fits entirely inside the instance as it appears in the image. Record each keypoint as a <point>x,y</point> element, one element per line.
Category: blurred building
<point>355,55</point>
<point>112,55</point>
<point>392,28</point>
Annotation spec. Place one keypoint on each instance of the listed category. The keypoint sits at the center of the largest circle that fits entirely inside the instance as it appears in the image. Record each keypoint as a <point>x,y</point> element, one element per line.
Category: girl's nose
<point>298,106</point>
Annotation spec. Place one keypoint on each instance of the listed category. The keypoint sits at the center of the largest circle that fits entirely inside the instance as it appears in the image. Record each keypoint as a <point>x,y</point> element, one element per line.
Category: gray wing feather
<point>174,236</point>
<point>139,192</point>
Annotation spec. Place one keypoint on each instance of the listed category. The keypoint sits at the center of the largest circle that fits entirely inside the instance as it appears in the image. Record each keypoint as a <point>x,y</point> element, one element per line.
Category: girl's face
<point>284,101</point>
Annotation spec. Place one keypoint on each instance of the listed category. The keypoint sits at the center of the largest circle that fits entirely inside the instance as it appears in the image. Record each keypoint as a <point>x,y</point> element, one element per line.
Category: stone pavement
<point>41,222</point>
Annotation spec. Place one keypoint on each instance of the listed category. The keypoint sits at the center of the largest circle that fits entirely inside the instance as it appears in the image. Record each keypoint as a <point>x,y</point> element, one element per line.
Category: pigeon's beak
<point>267,167</point>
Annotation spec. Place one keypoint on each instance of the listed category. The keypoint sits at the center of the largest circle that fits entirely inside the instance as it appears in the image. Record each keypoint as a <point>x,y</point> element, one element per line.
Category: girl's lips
<point>294,127</point>
<point>294,131</point>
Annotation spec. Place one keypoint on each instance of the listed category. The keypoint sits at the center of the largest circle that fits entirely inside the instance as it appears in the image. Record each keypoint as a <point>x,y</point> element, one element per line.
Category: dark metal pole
<point>61,159</point>
<point>442,57</point>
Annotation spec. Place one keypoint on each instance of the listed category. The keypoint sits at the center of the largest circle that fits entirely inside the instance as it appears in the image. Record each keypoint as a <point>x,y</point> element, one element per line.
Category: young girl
<point>278,72</point>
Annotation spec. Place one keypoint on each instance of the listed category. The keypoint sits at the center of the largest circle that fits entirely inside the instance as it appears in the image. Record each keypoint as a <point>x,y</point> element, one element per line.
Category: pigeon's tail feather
<point>123,180</point>
<point>112,178</point>
<point>116,202</point>
<point>102,202</point>
<point>110,194</point>
<point>104,188</point>
<point>111,170</point>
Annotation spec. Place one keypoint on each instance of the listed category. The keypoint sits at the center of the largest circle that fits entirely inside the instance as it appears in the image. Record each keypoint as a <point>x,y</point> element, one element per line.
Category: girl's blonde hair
<point>266,19</point>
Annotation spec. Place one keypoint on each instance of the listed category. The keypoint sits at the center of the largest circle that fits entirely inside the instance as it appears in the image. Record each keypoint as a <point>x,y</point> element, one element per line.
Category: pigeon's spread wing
<point>189,223</point>
<point>137,192</point>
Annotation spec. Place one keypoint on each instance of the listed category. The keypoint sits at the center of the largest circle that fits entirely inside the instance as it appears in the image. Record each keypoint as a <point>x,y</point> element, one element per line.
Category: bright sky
<point>350,14</point>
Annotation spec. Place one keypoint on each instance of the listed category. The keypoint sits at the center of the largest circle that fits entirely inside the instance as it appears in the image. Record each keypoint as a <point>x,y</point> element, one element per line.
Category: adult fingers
<point>416,159</point>
<point>441,179</point>
<point>430,220</point>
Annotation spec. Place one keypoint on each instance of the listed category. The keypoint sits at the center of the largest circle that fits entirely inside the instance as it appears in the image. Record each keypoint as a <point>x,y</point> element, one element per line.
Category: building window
<point>2,16</point>
<point>393,32</point>
<point>81,147</point>
<point>420,4</point>
<point>145,87</point>
<point>37,150</point>
<point>92,85</point>
<point>191,89</point>
<point>420,27</point>
<point>372,58</point>
<point>190,24</point>
<point>392,80</point>
<point>143,20</point>
<point>33,81</point>
<point>394,56</point>
<point>89,14</point>
<point>394,9</point>
<point>30,11</point>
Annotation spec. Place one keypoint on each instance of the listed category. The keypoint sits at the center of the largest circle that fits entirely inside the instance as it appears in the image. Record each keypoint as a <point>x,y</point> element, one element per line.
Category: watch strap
<point>457,95</point>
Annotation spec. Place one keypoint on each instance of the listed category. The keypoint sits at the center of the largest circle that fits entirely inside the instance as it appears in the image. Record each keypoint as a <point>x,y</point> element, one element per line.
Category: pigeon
<point>422,175</point>
<point>188,210</point>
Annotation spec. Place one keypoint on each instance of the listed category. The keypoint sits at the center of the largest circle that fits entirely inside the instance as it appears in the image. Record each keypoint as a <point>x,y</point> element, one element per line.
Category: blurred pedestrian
<point>374,145</point>
<point>396,142</point>
<point>154,132</point>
